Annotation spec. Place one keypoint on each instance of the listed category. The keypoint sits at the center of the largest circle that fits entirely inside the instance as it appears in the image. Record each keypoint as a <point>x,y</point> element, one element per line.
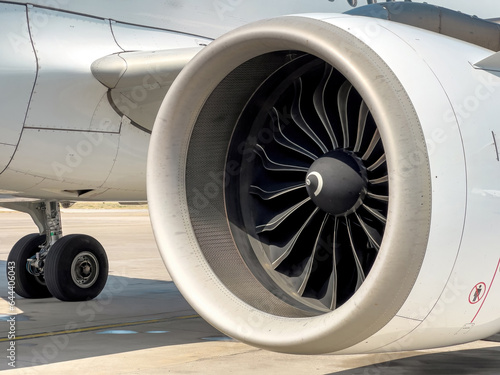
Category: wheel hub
<point>85,270</point>
<point>337,182</point>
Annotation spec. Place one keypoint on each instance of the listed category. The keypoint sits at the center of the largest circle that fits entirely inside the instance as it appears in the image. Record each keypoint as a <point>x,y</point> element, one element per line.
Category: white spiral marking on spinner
<point>320,182</point>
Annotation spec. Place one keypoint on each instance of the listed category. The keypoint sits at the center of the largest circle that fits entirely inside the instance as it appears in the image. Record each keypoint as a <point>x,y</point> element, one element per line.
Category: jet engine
<point>330,183</point>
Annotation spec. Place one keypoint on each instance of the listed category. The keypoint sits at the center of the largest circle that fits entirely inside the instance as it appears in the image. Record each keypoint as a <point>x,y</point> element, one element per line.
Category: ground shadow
<point>477,362</point>
<point>129,315</point>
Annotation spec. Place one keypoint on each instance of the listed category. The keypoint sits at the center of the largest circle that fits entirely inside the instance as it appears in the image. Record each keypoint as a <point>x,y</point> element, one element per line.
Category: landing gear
<point>71,268</point>
<point>76,268</point>
<point>28,284</point>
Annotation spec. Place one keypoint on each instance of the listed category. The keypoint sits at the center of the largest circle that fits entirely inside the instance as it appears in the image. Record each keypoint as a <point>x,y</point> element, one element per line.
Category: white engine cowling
<point>324,183</point>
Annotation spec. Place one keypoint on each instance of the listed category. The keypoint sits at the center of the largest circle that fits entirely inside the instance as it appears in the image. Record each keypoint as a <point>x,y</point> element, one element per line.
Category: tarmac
<point>140,324</point>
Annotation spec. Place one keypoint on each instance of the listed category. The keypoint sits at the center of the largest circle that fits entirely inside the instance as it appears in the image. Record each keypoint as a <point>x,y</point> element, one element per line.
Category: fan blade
<point>280,218</point>
<point>284,141</point>
<point>268,195</point>
<point>342,99</point>
<point>279,254</point>
<point>360,273</point>
<point>272,165</point>
<point>320,105</point>
<point>299,119</point>
<point>363,117</point>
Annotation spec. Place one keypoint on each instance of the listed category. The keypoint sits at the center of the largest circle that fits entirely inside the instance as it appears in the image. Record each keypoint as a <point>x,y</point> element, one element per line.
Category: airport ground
<point>141,324</point>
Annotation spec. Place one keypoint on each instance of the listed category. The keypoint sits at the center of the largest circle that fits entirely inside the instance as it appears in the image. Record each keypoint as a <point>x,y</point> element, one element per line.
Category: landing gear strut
<point>70,268</point>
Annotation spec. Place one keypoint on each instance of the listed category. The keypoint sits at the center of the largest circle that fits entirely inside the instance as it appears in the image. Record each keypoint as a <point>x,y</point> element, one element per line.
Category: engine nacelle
<point>326,183</point>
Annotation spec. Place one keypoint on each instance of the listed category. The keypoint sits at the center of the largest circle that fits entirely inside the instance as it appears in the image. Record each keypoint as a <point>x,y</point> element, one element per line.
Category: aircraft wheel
<point>26,284</point>
<point>76,268</point>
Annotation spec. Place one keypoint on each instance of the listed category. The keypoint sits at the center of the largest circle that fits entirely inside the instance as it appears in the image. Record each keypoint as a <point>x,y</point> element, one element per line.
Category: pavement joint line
<point>97,328</point>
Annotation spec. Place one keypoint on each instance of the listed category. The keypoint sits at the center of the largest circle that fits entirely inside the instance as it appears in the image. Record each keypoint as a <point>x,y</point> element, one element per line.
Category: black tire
<point>76,268</point>
<point>27,285</point>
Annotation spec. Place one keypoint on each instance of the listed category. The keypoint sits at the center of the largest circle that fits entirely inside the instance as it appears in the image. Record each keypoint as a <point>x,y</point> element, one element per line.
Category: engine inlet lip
<point>403,249</point>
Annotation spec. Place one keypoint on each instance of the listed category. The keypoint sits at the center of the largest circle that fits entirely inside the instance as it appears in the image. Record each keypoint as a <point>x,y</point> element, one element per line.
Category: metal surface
<point>126,70</point>
<point>70,119</point>
<point>196,17</point>
<point>491,63</point>
<point>85,270</point>
<point>307,199</point>
<point>67,37</point>
<point>68,163</point>
<point>435,273</point>
<point>53,224</point>
<point>439,20</point>
<point>133,38</point>
<point>139,81</point>
<point>405,241</point>
<point>457,152</point>
<point>17,78</point>
<point>47,217</point>
<point>66,46</point>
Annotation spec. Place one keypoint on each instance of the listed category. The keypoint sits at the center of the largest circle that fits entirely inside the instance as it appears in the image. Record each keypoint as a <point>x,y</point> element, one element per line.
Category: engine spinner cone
<point>337,182</point>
